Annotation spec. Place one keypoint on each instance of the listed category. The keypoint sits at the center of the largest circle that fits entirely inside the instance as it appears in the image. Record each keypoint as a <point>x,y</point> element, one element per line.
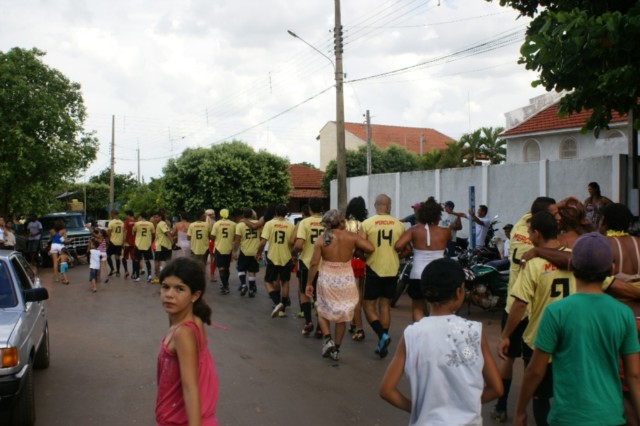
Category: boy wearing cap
<point>222,235</point>
<point>453,222</point>
<point>585,334</point>
<point>446,358</point>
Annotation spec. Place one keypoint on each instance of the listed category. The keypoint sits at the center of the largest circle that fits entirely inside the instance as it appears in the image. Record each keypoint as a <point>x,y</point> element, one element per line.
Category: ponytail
<point>202,310</point>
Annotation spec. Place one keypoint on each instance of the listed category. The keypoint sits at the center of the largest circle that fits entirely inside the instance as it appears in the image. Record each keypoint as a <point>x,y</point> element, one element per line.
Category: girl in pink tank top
<point>187,379</point>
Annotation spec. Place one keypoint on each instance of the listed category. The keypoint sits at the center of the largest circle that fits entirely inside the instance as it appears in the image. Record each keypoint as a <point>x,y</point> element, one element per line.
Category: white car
<point>24,337</point>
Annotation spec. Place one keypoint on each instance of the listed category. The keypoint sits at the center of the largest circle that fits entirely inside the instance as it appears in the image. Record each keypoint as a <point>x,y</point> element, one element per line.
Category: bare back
<point>342,245</point>
<point>626,254</point>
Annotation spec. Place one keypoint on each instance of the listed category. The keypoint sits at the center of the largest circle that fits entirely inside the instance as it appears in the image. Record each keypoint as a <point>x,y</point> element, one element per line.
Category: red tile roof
<point>305,181</point>
<point>408,137</point>
<point>548,119</point>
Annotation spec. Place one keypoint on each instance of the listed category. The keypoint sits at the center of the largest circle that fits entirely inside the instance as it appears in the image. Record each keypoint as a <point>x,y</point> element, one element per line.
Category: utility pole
<point>138,150</point>
<point>368,143</point>
<point>341,161</point>
<point>421,143</point>
<point>113,161</point>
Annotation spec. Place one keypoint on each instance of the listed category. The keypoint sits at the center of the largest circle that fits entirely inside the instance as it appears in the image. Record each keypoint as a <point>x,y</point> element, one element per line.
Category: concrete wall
<point>507,189</point>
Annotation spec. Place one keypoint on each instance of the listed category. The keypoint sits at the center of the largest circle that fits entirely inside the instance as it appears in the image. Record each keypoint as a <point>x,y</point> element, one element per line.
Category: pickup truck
<point>24,337</point>
<point>77,235</point>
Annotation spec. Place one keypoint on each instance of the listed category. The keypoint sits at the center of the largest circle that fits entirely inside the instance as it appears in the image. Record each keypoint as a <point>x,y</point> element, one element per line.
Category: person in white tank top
<point>446,358</point>
<point>429,242</point>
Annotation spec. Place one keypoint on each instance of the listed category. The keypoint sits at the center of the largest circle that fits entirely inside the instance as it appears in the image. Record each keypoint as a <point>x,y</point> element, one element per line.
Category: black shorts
<point>545,388</point>
<point>376,286</point>
<point>162,254</point>
<point>222,260</point>
<point>274,272</point>
<point>201,257</point>
<point>247,263</point>
<point>414,291</point>
<point>113,250</point>
<point>515,338</point>
<point>303,276</point>
<point>144,254</point>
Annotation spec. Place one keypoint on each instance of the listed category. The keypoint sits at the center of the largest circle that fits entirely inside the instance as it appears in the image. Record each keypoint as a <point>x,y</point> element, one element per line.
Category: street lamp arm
<point>292,34</point>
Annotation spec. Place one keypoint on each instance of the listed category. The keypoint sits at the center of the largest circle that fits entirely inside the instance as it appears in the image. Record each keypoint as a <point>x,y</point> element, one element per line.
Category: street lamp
<point>341,162</point>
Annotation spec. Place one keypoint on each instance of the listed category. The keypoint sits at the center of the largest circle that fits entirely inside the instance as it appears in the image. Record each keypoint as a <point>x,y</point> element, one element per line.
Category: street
<point>104,348</point>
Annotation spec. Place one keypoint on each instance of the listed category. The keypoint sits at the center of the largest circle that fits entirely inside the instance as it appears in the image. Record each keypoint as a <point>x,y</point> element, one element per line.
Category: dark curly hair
<point>357,209</point>
<point>617,217</point>
<point>429,212</point>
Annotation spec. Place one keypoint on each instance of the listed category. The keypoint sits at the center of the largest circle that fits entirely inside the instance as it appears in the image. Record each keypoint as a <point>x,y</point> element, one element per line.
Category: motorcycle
<point>403,279</point>
<point>486,287</point>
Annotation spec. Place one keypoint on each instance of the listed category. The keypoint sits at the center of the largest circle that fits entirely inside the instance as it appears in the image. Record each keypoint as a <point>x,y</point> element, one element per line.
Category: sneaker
<point>300,314</point>
<point>335,354</point>
<point>358,335</point>
<point>142,272</point>
<point>282,314</point>
<point>499,416</point>
<point>243,290</point>
<point>252,293</point>
<point>277,309</point>
<point>327,348</point>
<point>383,345</point>
<point>155,281</point>
<point>224,290</point>
<point>111,273</point>
<point>308,329</point>
<point>136,279</point>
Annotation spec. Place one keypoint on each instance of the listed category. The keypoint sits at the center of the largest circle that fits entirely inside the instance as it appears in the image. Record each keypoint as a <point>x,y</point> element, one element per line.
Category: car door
<point>34,312</point>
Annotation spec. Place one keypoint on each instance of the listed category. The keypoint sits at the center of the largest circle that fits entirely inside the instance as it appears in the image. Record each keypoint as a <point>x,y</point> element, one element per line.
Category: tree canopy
<point>587,48</point>
<point>42,138</point>
<point>231,175</point>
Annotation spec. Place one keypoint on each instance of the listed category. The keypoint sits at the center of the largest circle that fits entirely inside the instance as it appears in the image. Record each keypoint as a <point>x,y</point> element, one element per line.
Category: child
<point>585,334</point>
<point>445,357</point>
<point>63,264</point>
<point>94,263</point>
<point>101,238</point>
<point>187,379</point>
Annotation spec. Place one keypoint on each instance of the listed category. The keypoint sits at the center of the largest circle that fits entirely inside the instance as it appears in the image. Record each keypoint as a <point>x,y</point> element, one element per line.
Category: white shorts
<point>56,247</point>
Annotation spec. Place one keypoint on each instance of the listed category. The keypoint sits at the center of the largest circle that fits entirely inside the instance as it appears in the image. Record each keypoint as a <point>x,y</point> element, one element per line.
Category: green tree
<point>494,148</point>
<point>123,184</point>
<point>472,147</point>
<point>42,138</point>
<point>454,156</point>
<point>587,48</point>
<point>393,159</point>
<point>231,175</point>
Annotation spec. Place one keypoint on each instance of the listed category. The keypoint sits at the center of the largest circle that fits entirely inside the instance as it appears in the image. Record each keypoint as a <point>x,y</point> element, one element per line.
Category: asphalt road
<point>104,348</point>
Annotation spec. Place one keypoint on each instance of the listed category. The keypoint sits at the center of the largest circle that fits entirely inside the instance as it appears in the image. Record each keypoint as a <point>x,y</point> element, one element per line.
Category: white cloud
<point>196,72</point>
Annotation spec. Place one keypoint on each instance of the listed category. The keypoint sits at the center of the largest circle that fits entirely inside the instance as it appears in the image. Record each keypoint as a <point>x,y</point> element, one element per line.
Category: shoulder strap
<point>196,330</point>
<point>621,257</point>
<point>635,244</point>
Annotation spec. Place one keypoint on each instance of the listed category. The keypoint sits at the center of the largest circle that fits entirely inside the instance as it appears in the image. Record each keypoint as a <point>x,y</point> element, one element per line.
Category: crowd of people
<point>562,317</point>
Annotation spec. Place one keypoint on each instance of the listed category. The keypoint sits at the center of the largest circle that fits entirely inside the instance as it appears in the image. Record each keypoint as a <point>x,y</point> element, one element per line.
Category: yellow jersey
<point>278,233</point>
<point>162,236</point>
<point>309,229</point>
<point>539,284</point>
<point>224,232</point>
<point>199,233</point>
<point>144,234</point>
<point>383,231</point>
<point>249,238</point>
<point>116,232</point>
<point>519,243</point>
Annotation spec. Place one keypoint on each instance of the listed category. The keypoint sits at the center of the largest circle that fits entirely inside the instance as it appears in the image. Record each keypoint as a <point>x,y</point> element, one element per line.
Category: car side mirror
<point>35,294</point>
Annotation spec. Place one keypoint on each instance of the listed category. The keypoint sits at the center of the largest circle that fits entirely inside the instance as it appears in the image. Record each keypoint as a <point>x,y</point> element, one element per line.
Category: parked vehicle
<point>78,235</point>
<point>486,287</point>
<point>24,337</point>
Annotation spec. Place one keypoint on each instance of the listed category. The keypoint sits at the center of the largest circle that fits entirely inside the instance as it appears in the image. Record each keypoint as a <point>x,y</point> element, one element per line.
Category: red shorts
<point>358,267</point>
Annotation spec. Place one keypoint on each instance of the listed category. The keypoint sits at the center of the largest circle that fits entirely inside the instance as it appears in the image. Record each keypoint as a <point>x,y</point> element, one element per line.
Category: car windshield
<point>70,222</point>
<point>8,297</point>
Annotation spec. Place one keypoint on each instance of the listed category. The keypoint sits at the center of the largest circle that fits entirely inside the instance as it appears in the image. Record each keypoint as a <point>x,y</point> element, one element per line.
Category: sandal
<point>358,335</point>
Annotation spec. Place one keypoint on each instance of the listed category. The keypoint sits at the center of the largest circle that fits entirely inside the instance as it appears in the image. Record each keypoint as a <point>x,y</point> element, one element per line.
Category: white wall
<point>507,189</point>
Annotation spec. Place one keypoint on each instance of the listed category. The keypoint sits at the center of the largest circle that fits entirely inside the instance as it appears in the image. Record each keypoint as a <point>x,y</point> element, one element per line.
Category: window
<point>568,149</point>
<point>8,297</point>
<point>531,151</point>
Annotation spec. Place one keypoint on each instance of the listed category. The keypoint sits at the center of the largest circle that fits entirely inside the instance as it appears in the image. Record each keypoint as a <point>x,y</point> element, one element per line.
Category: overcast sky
<point>183,73</point>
